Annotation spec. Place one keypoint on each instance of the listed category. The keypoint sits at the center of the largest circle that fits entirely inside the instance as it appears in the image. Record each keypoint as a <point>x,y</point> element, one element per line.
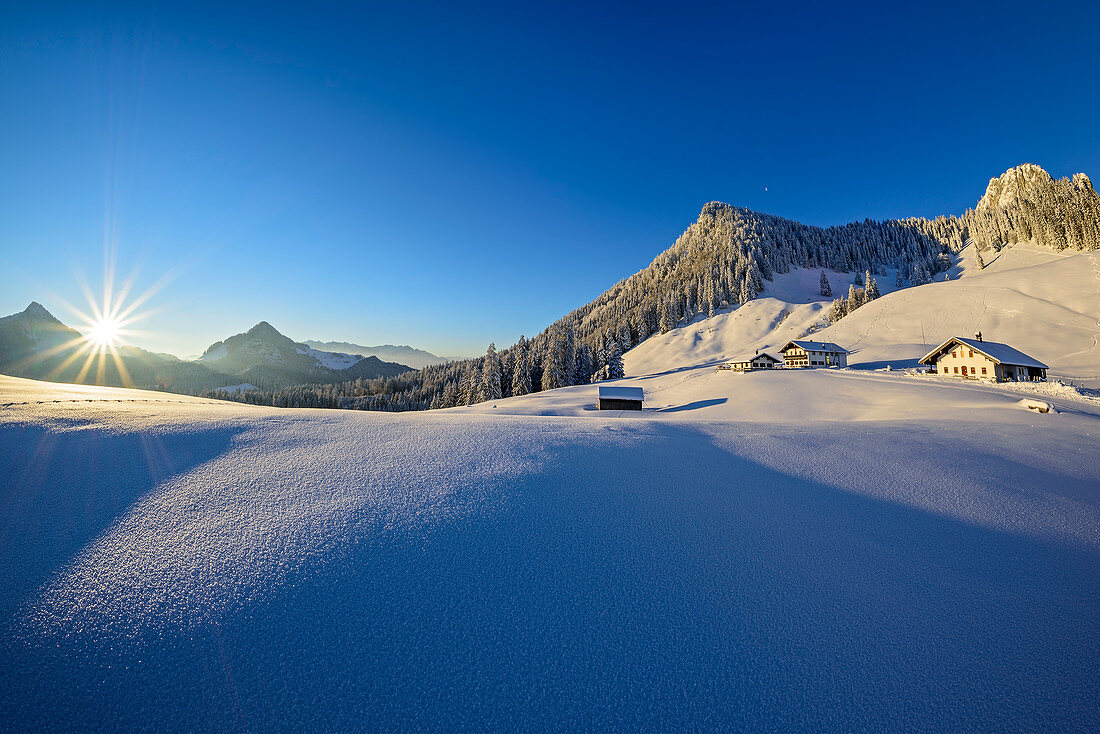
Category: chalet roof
<point>751,357</point>
<point>621,393</point>
<point>815,346</point>
<point>999,353</point>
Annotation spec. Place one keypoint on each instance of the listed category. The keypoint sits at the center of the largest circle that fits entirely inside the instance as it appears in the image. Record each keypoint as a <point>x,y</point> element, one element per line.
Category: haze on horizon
<point>444,178</point>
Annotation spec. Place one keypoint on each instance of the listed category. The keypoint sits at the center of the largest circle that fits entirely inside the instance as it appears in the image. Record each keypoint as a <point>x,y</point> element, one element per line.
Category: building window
<point>956,370</point>
<point>972,354</point>
<point>983,370</point>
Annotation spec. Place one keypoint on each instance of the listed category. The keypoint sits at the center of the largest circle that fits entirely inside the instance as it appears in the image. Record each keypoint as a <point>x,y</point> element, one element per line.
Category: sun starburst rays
<point>105,326</point>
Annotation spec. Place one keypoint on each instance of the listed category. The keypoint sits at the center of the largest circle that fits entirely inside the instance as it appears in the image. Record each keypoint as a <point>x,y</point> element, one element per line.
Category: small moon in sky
<point>765,188</point>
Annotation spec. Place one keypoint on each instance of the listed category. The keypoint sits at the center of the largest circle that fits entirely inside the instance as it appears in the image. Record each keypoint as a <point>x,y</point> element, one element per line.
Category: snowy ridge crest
<point>1012,185</point>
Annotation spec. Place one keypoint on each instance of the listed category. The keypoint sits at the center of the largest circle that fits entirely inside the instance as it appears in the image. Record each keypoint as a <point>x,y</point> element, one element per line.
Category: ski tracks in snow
<point>1095,340</point>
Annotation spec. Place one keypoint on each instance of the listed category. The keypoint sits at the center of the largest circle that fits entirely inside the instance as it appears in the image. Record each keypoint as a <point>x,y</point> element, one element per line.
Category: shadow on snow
<point>645,578</point>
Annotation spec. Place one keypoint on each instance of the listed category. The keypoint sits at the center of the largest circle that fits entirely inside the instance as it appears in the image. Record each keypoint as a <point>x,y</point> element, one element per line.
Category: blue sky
<point>444,176</point>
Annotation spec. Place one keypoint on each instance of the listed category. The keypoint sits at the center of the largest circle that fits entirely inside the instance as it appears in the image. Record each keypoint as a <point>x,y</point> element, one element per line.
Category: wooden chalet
<point>620,398</point>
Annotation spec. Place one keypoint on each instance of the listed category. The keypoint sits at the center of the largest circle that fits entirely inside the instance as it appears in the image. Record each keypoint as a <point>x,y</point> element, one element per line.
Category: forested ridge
<point>722,261</point>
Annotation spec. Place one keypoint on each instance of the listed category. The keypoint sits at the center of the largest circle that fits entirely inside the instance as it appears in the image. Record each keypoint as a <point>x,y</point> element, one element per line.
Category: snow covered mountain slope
<point>331,360</point>
<point>265,356</point>
<point>789,306</point>
<point>204,565</point>
<point>1045,304</point>
<point>402,354</point>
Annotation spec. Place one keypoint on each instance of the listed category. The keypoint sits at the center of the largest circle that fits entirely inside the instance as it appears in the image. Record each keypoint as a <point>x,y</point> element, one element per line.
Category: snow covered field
<point>797,550</point>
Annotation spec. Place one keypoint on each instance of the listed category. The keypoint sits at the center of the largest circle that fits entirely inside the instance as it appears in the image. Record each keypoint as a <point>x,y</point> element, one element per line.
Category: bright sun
<point>106,326</point>
<point>105,332</point>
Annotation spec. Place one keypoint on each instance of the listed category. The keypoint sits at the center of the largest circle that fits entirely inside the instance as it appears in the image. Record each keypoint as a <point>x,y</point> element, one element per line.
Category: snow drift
<point>167,562</point>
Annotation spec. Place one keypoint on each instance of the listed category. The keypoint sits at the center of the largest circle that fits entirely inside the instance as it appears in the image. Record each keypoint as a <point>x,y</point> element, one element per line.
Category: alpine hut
<point>620,398</point>
<point>977,359</point>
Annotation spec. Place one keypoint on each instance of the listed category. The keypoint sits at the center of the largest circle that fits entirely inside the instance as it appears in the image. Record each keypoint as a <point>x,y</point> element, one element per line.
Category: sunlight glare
<point>105,332</point>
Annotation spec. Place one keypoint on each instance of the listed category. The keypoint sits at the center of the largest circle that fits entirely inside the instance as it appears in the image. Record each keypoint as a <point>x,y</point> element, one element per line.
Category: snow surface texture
<point>175,563</point>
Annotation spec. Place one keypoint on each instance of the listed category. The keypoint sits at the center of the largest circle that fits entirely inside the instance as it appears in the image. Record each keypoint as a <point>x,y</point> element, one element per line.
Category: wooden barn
<point>750,362</point>
<point>621,398</point>
<point>976,359</point>
<point>802,353</point>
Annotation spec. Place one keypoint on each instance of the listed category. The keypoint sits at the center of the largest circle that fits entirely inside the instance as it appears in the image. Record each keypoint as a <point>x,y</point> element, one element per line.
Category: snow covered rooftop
<point>815,346</point>
<point>621,393</point>
<point>751,357</point>
<point>1000,353</point>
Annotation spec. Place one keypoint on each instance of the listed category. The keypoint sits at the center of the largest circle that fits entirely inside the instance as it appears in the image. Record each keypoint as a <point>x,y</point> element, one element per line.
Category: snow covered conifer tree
<point>641,326</point>
<point>490,389</point>
<point>756,281</point>
<point>450,396</point>
<point>469,385</point>
<point>624,338</point>
<point>899,281</point>
<point>746,291</point>
<point>666,322</point>
<point>921,276</point>
<point>838,311</point>
<point>521,373</point>
<point>556,368</point>
<point>826,289</point>
<point>582,374</point>
<point>855,298</point>
<point>507,366</point>
<point>614,362</point>
<point>870,288</point>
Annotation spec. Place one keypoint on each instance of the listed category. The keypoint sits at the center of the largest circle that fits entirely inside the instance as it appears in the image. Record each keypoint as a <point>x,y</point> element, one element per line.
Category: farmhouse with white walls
<point>802,353</point>
<point>978,359</point>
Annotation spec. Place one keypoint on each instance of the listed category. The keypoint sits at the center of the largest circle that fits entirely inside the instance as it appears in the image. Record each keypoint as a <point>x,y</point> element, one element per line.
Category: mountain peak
<point>264,329</point>
<point>38,311</point>
<point>1014,184</point>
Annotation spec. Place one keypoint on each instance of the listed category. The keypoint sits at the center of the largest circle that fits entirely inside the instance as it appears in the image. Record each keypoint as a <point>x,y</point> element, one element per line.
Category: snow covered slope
<point>790,305</point>
<point>1043,303</point>
<point>203,565</point>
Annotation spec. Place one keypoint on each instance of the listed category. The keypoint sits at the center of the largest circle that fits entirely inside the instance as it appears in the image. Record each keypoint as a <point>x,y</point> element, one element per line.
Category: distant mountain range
<point>33,343</point>
<point>416,358</point>
<point>263,356</point>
